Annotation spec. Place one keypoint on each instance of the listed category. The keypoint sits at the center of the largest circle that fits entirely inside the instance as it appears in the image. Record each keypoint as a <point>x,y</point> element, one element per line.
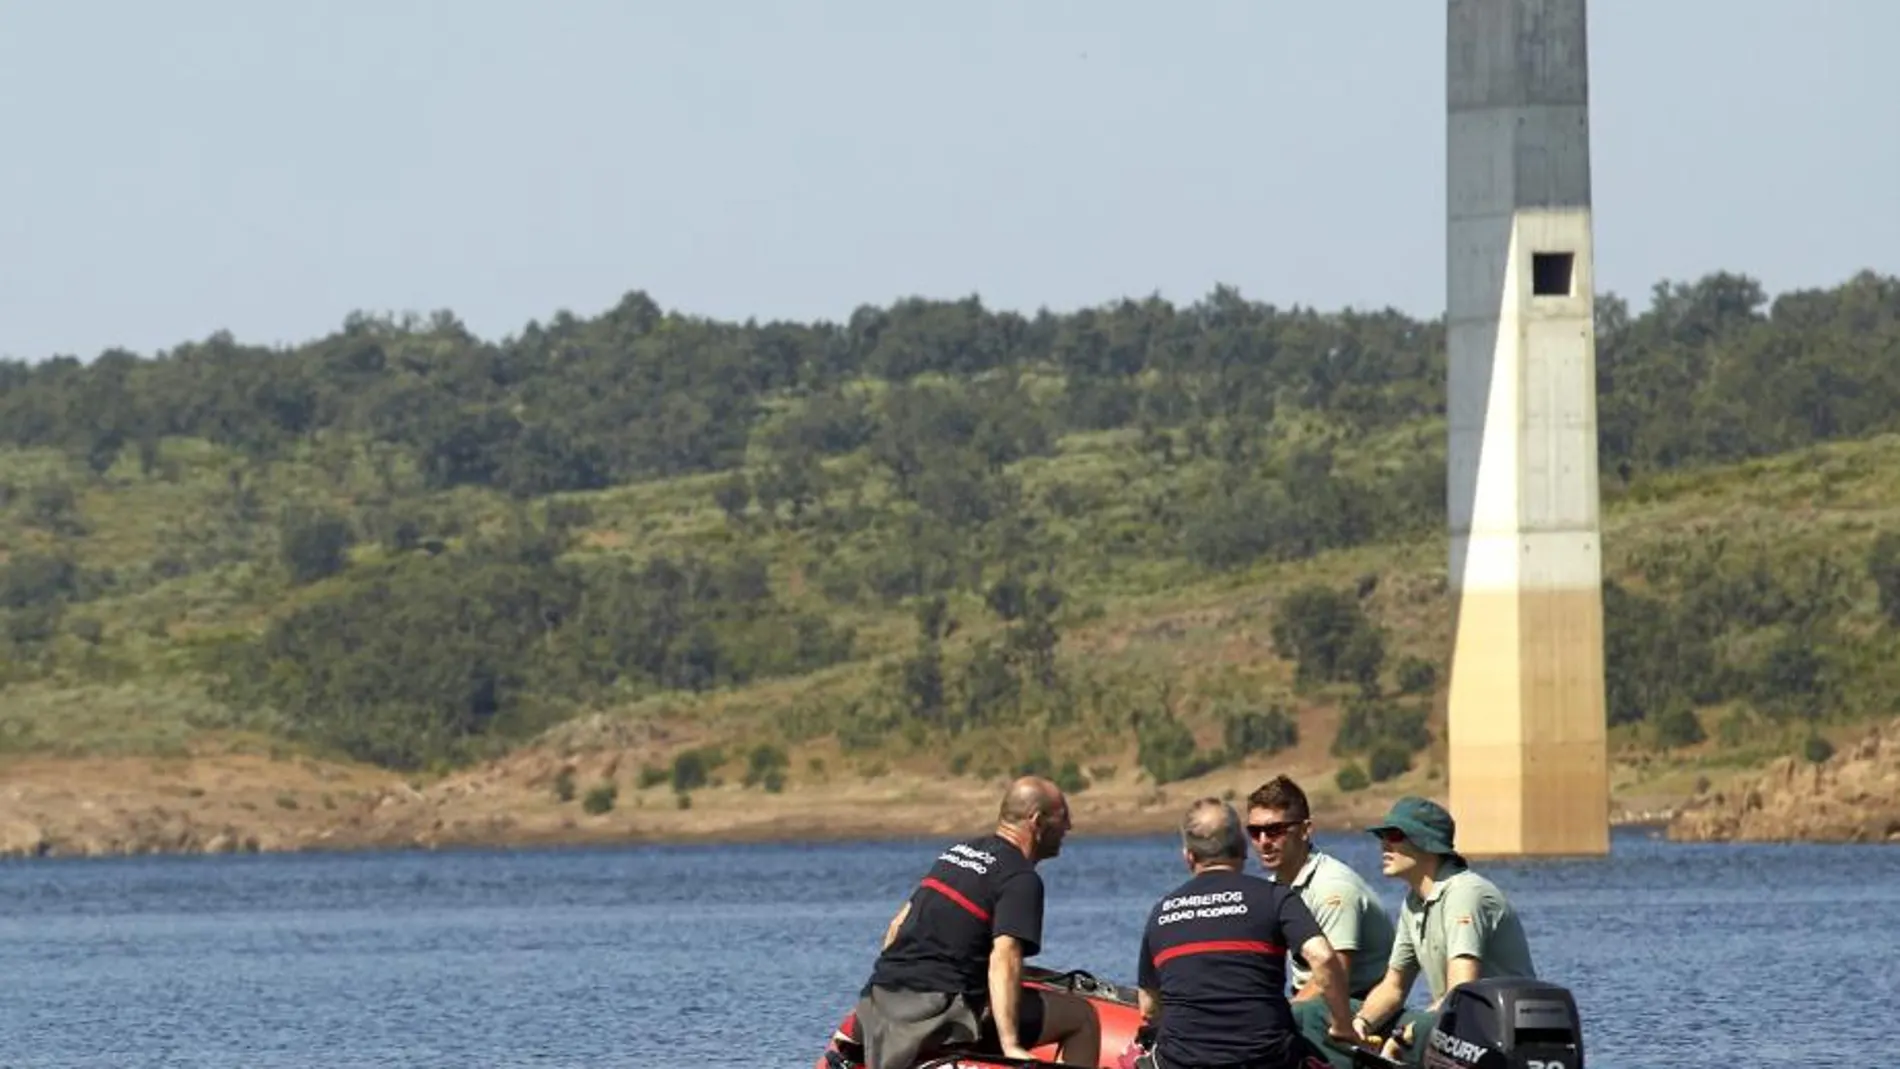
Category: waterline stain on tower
<point>1528,754</point>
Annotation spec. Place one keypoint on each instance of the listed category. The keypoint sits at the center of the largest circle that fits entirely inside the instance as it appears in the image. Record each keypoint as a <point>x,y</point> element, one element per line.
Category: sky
<point>169,170</point>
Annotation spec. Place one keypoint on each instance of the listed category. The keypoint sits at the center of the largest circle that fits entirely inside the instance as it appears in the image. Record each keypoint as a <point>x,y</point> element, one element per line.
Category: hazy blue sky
<point>173,168</point>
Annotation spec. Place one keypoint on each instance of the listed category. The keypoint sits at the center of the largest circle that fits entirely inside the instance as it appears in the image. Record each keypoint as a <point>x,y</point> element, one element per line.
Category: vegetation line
<point>974,541</point>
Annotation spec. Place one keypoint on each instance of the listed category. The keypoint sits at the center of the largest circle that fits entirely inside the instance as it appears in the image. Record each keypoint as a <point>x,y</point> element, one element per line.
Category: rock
<point>21,838</point>
<point>1853,796</point>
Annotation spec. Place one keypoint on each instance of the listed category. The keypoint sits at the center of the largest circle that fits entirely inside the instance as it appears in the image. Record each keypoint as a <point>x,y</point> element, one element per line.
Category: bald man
<point>951,968</point>
<point>1212,972</point>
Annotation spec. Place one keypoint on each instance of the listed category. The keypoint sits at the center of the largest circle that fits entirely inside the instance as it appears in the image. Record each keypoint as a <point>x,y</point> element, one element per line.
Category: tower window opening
<point>1551,273</point>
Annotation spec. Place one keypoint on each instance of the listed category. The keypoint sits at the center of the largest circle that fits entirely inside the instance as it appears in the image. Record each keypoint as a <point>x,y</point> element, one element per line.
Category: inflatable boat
<point>1486,1024</point>
<point>1117,1011</point>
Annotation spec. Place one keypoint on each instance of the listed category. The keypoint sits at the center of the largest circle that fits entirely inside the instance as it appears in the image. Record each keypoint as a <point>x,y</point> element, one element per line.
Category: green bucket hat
<point>1423,821</point>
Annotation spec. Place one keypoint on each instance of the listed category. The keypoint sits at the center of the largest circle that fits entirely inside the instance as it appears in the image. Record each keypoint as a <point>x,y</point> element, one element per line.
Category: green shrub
<point>600,798</point>
<point>690,771</point>
<point>1165,749</point>
<point>1255,732</point>
<point>1388,760</point>
<point>1070,779</point>
<point>316,543</point>
<point>766,760</point>
<point>1817,749</point>
<point>1677,726</point>
<point>1416,675</point>
<point>1370,721</point>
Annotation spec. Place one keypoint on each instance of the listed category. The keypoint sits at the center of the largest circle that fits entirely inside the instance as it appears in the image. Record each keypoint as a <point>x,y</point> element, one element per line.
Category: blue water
<point>1680,956</point>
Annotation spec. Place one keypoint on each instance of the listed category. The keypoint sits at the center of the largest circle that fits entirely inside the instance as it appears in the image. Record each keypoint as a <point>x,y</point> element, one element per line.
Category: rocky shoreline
<point>250,803</point>
<point>1852,797</point>
<point>396,822</point>
<point>498,811</point>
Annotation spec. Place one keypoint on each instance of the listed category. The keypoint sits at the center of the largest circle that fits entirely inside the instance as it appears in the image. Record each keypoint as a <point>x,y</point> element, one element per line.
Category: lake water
<point>1680,956</point>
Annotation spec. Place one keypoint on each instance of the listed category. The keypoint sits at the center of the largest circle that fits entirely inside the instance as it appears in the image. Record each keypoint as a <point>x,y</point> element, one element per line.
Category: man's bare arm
<point>1310,989</point>
<point>1386,999</point>
<point>1006,974</point>
<point>1329,976</point>
<point>1460,970</point>
<point>890,933</point>
<point>1150,1004</point>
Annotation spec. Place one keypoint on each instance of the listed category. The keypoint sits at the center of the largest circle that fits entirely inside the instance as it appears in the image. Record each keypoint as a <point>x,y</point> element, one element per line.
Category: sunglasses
<point>1275,830</point>
<point>1391,835</point>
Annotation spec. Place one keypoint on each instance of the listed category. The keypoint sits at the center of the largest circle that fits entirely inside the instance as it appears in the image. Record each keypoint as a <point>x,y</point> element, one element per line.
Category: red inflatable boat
<point>1500,1021</point>
<point>1116,1009</point>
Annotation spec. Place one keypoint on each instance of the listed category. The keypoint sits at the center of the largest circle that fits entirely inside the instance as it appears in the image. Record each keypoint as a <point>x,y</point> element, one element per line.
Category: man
<point>950,971</point>
<point>1212,973</point>
<point>1355,922</point>
<point>1455,925</point>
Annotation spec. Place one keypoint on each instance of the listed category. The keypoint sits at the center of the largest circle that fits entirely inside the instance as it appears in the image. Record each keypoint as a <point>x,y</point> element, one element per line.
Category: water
<point>1681,956</point>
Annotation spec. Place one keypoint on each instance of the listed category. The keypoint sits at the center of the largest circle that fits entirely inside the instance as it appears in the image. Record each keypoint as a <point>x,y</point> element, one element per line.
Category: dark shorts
<point>1312,1019</point>
<point>897,1028</point>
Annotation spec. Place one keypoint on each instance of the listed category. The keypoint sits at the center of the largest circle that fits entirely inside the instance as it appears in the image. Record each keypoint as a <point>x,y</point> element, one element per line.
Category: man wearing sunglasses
<point>1455,926</point>
<point>1280,826</point>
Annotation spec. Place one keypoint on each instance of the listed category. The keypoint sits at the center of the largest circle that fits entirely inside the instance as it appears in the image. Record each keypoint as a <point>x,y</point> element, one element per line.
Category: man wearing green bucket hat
<point>1455,926</point>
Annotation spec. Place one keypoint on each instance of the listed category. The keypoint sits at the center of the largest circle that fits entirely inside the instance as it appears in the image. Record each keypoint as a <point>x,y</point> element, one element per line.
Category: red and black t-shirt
<point>977,890</point>
<point>1215,951</point>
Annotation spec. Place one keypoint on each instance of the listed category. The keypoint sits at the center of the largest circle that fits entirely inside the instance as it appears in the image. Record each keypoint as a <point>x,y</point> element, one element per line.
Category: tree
<point>1329,636</point>
<point>315,543</point>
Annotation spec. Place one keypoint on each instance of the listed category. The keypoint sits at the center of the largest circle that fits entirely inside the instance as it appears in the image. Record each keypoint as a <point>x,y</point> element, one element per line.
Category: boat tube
<point>1117,1011</point>
<point>1486,1024</point>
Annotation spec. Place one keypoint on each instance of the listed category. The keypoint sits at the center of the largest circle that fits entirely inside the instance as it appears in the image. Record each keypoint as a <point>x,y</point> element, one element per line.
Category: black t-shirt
<point>1215,950</point>
<point>977,890</point>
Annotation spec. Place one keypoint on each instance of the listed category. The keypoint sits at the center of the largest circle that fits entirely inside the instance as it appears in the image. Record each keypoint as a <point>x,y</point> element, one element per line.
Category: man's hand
<point>1344,1034</point>
<point>1395,1047</point>
<point>1387,998</point>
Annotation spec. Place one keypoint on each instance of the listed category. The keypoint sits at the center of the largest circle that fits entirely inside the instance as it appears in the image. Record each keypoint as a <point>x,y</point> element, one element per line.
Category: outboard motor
<point>1506,1024</point>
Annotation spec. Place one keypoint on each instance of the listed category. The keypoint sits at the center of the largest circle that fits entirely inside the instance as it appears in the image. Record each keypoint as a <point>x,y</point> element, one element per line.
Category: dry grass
<point>1136,612</point>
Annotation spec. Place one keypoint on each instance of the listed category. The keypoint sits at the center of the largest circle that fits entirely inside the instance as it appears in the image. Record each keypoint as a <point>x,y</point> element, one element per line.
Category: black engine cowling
<point>1506,1024</point>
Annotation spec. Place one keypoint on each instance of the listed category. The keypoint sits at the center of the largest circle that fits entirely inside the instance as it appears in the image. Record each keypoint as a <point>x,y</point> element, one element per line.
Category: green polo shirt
<point>1352,917</point>
<point>1464,916</point>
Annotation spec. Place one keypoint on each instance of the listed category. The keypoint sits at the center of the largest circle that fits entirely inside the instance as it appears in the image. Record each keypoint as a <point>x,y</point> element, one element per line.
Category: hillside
<point>653,575</point>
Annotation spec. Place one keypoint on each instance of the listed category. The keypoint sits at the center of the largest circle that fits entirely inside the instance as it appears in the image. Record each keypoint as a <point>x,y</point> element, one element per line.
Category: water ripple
<point>746,956</point>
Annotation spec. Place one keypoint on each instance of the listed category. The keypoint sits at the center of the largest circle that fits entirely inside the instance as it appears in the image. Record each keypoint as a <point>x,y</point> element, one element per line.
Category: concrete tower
<point>1528,763</point>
